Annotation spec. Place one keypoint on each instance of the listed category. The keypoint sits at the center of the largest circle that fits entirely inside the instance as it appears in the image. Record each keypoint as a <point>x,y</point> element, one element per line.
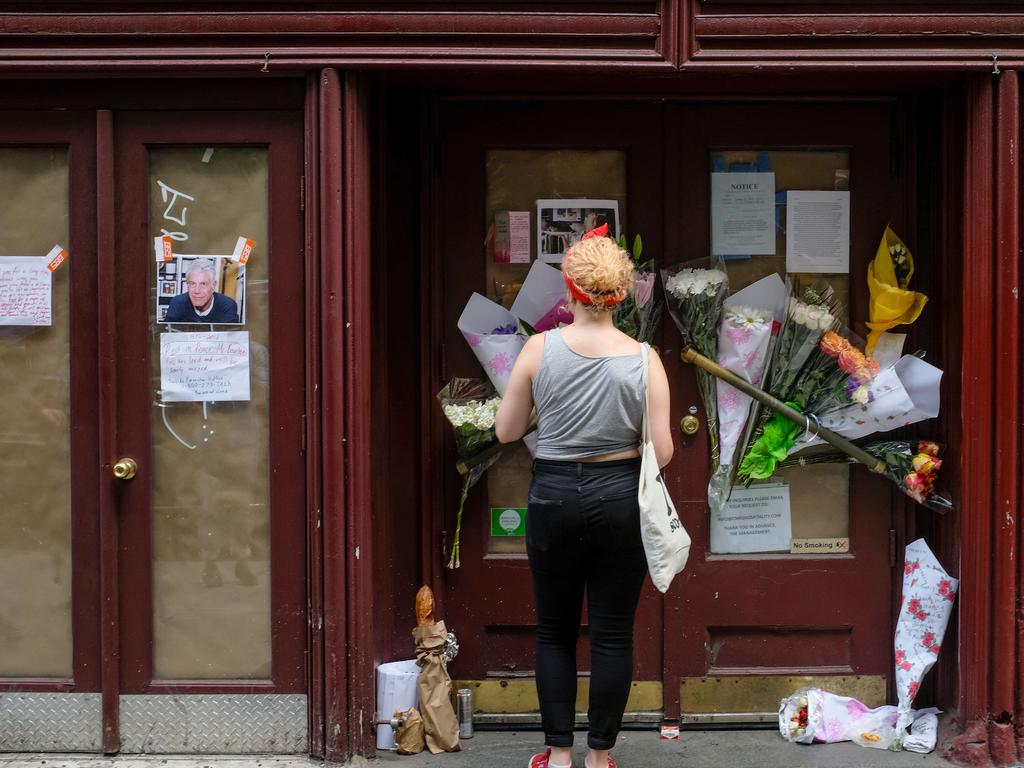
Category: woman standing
<point>587,382</point>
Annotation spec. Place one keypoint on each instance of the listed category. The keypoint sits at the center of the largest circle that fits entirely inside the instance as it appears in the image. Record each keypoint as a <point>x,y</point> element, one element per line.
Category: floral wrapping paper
<point>743,343</point>
<point>492,332</point>
<point>904,394</point>
<point>928,595</point>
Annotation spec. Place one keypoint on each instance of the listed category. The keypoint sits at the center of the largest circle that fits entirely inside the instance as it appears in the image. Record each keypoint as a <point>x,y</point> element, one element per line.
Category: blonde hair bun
<point>600,268</point>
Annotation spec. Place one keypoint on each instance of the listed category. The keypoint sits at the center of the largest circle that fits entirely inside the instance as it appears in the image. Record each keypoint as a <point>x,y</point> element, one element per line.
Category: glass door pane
<point>35,457</point>
<point>210,460</point>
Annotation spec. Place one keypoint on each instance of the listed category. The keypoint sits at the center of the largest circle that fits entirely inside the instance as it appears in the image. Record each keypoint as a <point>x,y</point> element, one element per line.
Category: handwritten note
<point>25,290</point>
<point>207,366</point>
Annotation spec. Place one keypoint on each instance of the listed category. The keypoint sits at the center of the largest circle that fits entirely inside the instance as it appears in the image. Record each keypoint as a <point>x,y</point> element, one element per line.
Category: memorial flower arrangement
<point>639,314</point>
<point>695,295</point>
<point>912,465</point>
<point>470,406</point>
<point>891,302</point>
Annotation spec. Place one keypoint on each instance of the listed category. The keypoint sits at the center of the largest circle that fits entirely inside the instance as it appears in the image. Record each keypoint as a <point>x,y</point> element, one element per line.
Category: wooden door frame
<point>76,131</point>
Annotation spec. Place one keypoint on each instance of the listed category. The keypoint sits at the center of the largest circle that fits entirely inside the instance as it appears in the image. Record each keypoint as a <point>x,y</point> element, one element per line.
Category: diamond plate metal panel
<point>215,724</point>
<point>50,722</point>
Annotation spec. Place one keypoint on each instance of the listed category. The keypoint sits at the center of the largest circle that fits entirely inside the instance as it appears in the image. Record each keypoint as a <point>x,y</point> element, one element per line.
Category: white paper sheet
<point>818,232</point>
<point>512,237</point>
<point>204,367</point>
<point>756,519</point>
<point>742,214</point>
<point>542,291</point>
<point>25,290</point>
<point>497,352</point>
<point>906,393</point>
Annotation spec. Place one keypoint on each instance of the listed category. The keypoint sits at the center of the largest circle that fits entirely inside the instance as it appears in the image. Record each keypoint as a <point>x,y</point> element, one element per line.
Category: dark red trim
<point>976,406</point>
<point>358,428</point>
<point>332,419</point>
<point>107,412</point>
<point>1007,363</point>
<point>314,476</point>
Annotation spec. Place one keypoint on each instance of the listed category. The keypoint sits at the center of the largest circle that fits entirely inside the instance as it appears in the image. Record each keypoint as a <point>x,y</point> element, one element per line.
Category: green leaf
<point>638,247</point>
<point>622,242</point>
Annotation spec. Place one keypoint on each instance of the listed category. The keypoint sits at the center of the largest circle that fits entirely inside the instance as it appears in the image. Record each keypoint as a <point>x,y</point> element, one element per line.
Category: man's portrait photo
<point>209,290</point>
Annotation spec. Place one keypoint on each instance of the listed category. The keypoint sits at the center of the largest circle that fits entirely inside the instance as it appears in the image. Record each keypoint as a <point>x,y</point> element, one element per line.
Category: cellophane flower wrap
<point>695,292</point>
<point>639,314</point>
<point>912,465</point>
<point>928,595</point>
<point>470,406</point>
<point>798,366</point>
<point>744,341</point>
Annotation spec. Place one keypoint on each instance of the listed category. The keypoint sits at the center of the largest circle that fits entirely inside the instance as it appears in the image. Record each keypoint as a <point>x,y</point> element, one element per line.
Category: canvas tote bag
<point>666,542</point>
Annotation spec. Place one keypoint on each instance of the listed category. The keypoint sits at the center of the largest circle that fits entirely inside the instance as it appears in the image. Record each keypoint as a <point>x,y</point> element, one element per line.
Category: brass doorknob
<point>125,469</point>
<point>689,425</point>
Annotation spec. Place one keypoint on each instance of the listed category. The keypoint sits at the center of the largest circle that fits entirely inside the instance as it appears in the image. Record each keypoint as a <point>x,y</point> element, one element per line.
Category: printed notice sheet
<point>756,519</point>
<point>743,214</point>
<point>818,232</point>
<point>204,366</point>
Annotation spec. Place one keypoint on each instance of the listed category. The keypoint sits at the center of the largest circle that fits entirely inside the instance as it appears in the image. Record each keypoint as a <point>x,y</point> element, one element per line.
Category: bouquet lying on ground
<point>470,406</point>
<point>695,295</point>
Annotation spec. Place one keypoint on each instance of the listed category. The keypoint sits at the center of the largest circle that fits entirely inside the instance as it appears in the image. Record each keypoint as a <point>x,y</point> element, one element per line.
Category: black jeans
<point>583,531</point>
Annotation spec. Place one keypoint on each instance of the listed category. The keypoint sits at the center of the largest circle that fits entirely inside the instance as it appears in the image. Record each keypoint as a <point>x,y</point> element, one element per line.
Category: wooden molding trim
<point>840,35</point>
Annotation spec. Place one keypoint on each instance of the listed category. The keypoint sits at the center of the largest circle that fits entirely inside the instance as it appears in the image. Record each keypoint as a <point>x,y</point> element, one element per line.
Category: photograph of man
<point>201,303</point>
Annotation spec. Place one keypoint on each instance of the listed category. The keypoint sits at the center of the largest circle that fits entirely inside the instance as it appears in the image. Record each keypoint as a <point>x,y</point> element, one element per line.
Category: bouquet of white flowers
<point>470,406</point>
<point>695,295</point>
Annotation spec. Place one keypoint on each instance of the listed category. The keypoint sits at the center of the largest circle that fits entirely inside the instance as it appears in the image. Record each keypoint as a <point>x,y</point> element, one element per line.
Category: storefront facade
<point>233,586</point>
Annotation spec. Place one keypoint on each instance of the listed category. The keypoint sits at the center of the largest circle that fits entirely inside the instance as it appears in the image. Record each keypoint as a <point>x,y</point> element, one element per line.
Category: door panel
<point>734,630</point>
<point>744,622</point>
<point>501,157</point>
<point>213,589</point>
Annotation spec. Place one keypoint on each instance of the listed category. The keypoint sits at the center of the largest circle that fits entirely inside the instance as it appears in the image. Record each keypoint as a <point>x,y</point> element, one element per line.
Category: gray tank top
<point>587,406</point>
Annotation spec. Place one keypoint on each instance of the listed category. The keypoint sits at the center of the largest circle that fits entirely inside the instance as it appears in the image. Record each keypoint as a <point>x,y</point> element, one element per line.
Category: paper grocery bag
<point>410,737</point>
<point>435,689</point>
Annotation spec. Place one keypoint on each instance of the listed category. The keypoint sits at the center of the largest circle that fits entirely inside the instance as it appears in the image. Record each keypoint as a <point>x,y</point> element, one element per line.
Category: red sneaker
<point>611,762</point>
<point>540,761</point>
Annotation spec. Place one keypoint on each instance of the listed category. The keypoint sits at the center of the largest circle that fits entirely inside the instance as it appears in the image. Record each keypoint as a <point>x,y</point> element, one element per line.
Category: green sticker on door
<point>508,521</point>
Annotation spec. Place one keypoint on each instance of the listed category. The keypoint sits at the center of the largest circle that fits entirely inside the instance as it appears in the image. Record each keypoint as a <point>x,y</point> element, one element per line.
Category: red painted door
<point>744,629</point>
<point>499,157</point>
<point>212,536</point>
<point>737,629</point>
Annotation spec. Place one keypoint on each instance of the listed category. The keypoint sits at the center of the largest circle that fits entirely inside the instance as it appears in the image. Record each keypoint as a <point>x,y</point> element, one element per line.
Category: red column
<point>989,669</point>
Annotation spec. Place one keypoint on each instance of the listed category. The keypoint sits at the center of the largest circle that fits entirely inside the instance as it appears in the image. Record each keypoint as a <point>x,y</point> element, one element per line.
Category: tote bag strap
<point>645,355</point>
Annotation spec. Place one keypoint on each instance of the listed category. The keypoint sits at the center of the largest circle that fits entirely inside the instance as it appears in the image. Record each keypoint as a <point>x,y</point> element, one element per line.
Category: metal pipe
<point>693,357</point>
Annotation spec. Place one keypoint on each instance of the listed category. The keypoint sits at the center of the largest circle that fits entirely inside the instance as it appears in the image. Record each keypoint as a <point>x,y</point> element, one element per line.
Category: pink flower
<point>944,587</point>
<point>912,691</point>
<point>472,338</point>
<point>644,288</point>
<point>910,566</point>
<point>929,638</point>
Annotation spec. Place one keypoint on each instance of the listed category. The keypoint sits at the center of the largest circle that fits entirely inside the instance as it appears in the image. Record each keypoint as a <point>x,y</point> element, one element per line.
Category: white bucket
<point>396,692</point>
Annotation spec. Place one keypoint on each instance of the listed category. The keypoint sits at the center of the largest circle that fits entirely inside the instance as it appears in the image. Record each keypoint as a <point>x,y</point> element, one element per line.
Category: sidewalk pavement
<point>512,749</point>
<point>694,749</point>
